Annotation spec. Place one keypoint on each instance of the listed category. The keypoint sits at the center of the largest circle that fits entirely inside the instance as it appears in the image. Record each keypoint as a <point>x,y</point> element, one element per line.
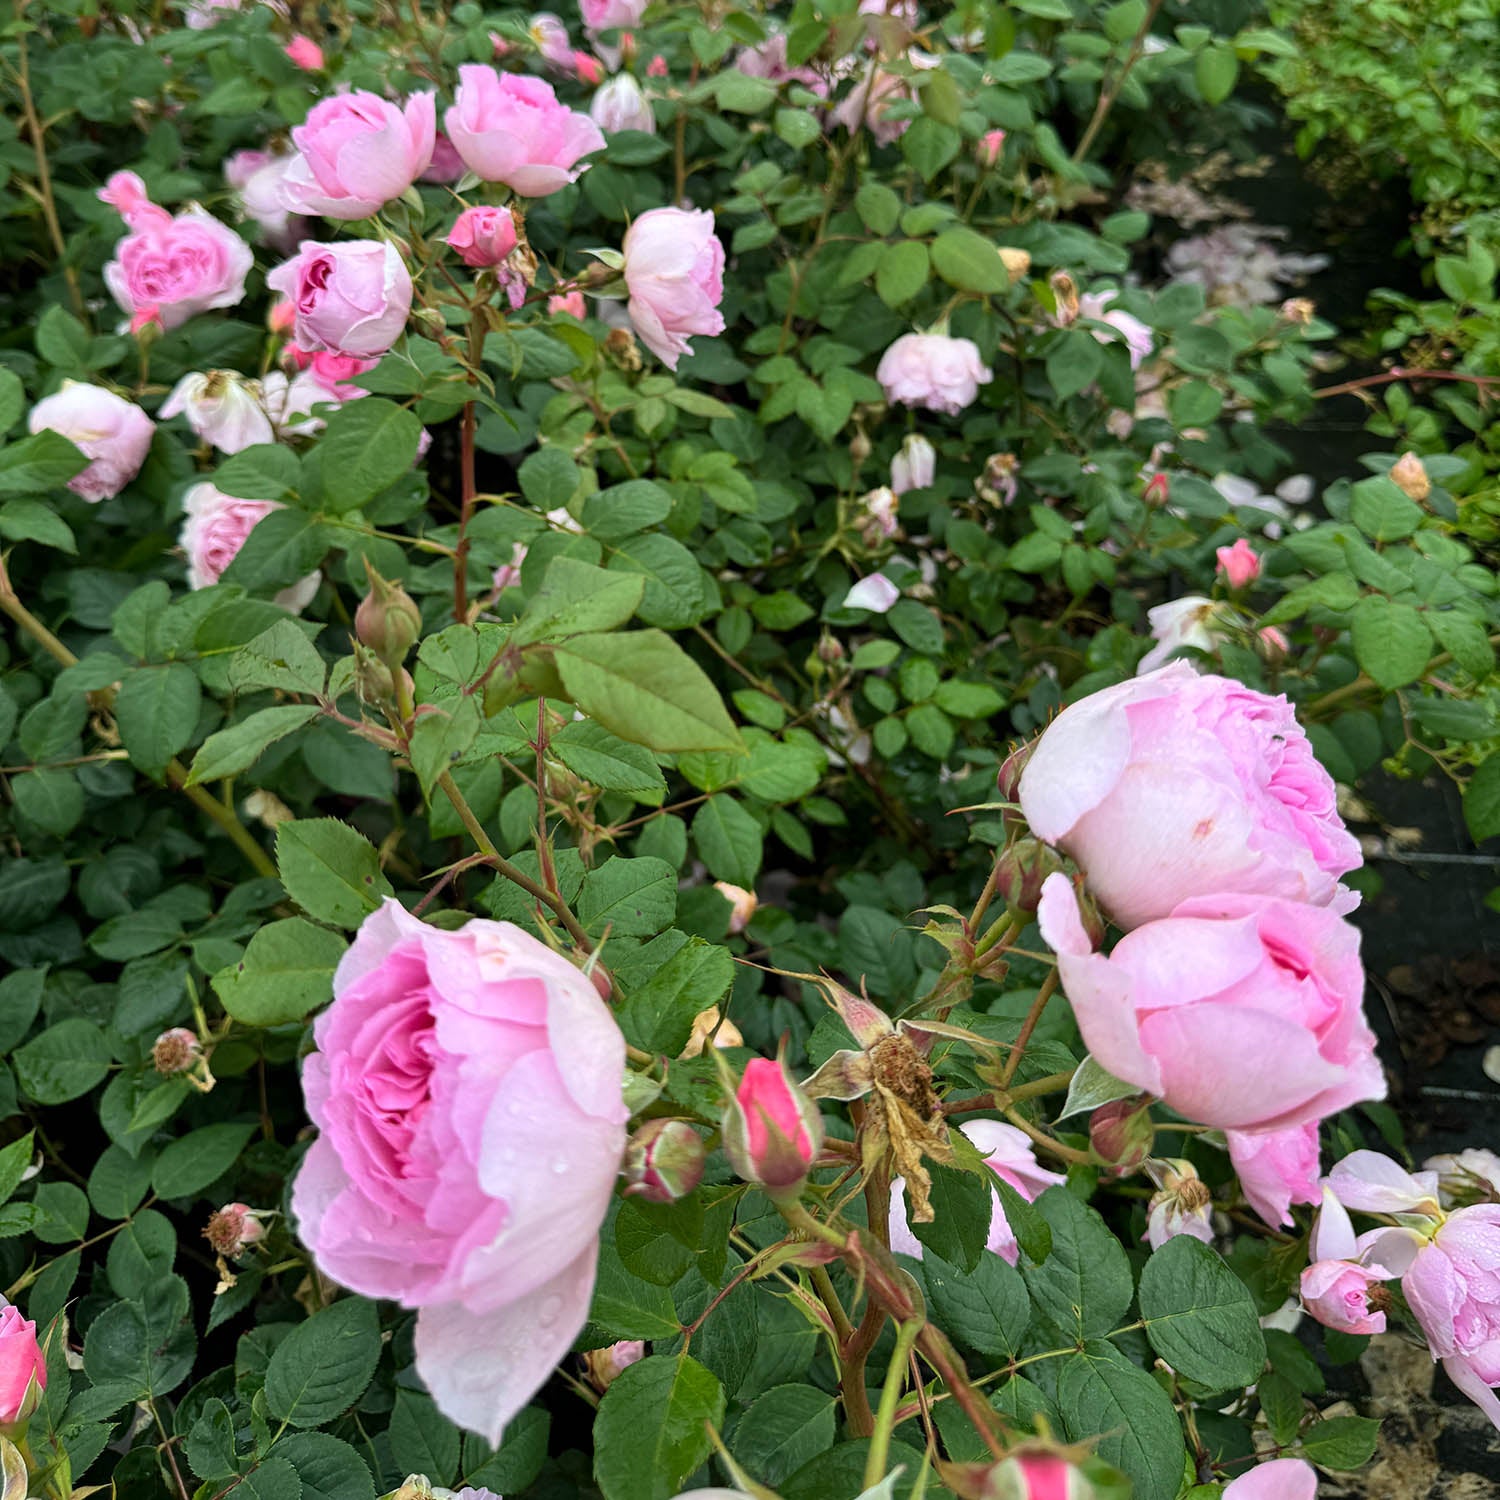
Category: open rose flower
<point>674,272</point>
<point>113,433</point>
<point>1174,784</point>
<point>467,1088</point>
<point>1136,336</point>
<point>215,526</point>
<point>1193,622</point>
<point>510,128</point>
<point>1277,1479</point>
<point>1241,1012</point>
<point>932,370</point>
<point>222,408</point>
<point>356,152</point>
<point>352,297</point>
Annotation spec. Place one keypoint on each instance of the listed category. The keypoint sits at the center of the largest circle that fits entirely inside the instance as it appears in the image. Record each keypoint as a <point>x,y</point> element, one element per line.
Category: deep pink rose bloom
<point>446,164</point>
<point>510,128</point>
<point>612,15</point>
<point>1277,1168</point>
<point>483,236</point>
<point>21,1361</point>
<point>467,1089</point>
<point>334,372</point>
<point>1009,1155</point>
<point>674,272</point>
<point>214,528</point>
<point>1240,564</point>
<point>1240,1012</point>
<point>352,297</point>
<point>358,151</point>
<point>1278,1479</point>
<point>115,434</point>
<point>1175,784</point>
<point>932,370</point>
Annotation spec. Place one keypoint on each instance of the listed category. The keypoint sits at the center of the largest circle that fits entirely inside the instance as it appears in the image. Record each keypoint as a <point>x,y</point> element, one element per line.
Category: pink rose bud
<point>387,620</point>
<point>1344,1295</point>
<point>23,1367</point>
<point>772,1130</point>
<point>1020,872</point>
<point>483,236</point>
<point>1036,1476</point>
<point>1008,782</point>
<point>511,128</point>
<point>932,370</point>
<point>664,1161</point>
<point>1272,644</point>
<point>1277,1168</point>
<point>1182,1204</point>
<point>176,1051</point>
<point>222,408</point>
<point>1158,490</point>
<point>1277,1479</point>
<point>588,68</point>
<point>988,149</point>
<point>603,1367</point>
<point>215,527</point>
<point>446,165</point>
<point>915,465</point>
<point>1410,477</point>
<point>1205,785</point>
<point>674,274</point>
<point>305,53</point>
<point>1240,564</point>
<point>282,316</point>
<point>352,297</point>
<point>1122,1133</point>
<point>357,151</point>
<point>550,38</point>
<point>233,1230</point>
<point>742,904</point>
<point>112,433</point>
<point>657,67</point>
<point>571,303</point>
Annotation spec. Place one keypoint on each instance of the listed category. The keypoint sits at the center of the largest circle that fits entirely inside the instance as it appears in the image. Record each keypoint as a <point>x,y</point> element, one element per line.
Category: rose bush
<point>602,611</point>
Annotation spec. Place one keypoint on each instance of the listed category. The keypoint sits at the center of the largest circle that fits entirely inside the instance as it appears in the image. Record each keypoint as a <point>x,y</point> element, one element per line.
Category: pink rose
<point>1374,1184</point>
<point>352,297</point>
<point>1277,1479</point>
<point>674,272</point>
<point>115,434</point>
<point>510,128</point>
<point>1008,1153</point>
<point>304,53</point>
<point>467,1089</point>
<point>987,152</point>
<point>1137,336</point>
<point>551,39</point>
<point>588,69</point>
<point>622,105</point>
<point>358,151</point>
<point>915,466</point>
<point>168,269</point>
<point>769,61</point>
<point>23,1369</point>
<point>334,372</point>
<point>1032,1475</point>
<point>1191,623</point>
<point>222,408</point>
<point>657,67</point>
<point>932,370</point>
<point>483,236</point>
<point>1174,785</point>
<point>214,528</point>
<point>612,15</point>
<point>1241,1012</point>
<point>1240,564</point>
<point>876,593</point>
<point>1336,1288</point>
<point>1277,1168</point>
<point>571,303</point>
<point>869,103</point>
<point>446,165</point>
<point>772,1132</point>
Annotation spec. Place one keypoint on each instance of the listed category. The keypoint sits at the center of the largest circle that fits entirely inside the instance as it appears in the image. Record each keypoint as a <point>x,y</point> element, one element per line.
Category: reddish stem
<point>465,515</point>
<point>1401,372</point>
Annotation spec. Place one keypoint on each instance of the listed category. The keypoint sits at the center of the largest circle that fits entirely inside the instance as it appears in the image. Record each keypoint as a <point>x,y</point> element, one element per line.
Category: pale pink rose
<point>1008,1153</point>
<point>214,528</point>
<point>1277,1168</point>
<point>168,269</point>
<point>257,179</point>
<point>612,15</point>
<point>358,151</point>
<point>1278,1479</point>
<point>304,53</point>
<point>571,303</point>
<point>113,433</point>
<point>483,236</point>
<point>1175,785</point>
<point>1240,1012</point>
<point>239,168</point>
<point>881,508</point>
<point>201,14</point>
<point>674,272</point>
<point>876,593</point>
<point>1473,1170</point>
<point>622,105</point>
<point>1372,1183</point>
<point>989,147</point>
<point>1336,1288</point>
<point>742,904</point>
<point>1137,336</point>
<point>551,39</point>
<point>352,297</point>
<point>914,467</point>
<point>507,575</point>
<point>222,408</point>
<point>768,61</point>
<point>1189,623</point>
<point>467,1089</point>
<point>446,165</point>
<point>290,404</point>
<point>23,1367</point>
<point>1239,564</point>
<point>932,370</point>
<point>869,103</point>
<point>510,128</point>
<point>1453,1289</point>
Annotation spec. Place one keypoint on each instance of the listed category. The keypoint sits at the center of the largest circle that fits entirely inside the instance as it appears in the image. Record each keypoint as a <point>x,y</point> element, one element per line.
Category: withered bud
<point>1121,1133</point>
<point>1065,290</point>
<point>859,447</point>
<point>1020,871</point>
<point>1411,478</point>
<point>387,620</point>
<point>233,1229</point>
<point>175,1051</point>
<point>622,350</point>
<point>1298,310</point>
<point>1016,262</point>
<point>605,1366</point>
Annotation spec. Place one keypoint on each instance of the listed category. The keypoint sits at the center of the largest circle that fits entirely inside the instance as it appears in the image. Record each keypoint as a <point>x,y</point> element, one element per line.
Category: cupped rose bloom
<point>1137,336</point>
<point>358,151</point>
<point>1008,1153</point>
<point>467,1090</point>
<point>1278,1479</point>
<point>1239,564</point>
<point>876,593</point>
<point>621,104</point>
<point>222,408</point>
<point>1175,785</point>
<point>932,370</point>
<point>674,273</point>
<point>1190,623</point>
<point>510,128</point>
<point>113,433</point>
<point>215,527</point>
<point>169,268</point>
<point>612,15</point>
<point>1336,1288</point>
<point>23,1367</point>
<point>483,236</point>
<point>352,297</point>
<point>915,466</point>
<point>1277,1168</point>
<point>1240,1012</point>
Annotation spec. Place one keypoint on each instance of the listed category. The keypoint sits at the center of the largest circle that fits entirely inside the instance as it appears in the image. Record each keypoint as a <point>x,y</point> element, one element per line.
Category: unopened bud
<point>772,1131</point>
<point>1158,490</point>
<point>1016,262</point>
<point>1411,478</point>
<point>1121,1133</point>
<point>859,447</point>
<point>663,1161</point>
<point>282,315</point>
<point>233,1229</point>
<point>605,1366</point>
<point>742,904</point>
<point>1036,1476</point>
<point>175,1051</point>
<point>430,321</point>
<point>987,149</point>
<point>1272,645</point>
<point>622,350</point>
<point>830,649</point>
<point>1065,290</point>
<point>387,620</point>
<point>1020,871</point>
<point>1009,779</point>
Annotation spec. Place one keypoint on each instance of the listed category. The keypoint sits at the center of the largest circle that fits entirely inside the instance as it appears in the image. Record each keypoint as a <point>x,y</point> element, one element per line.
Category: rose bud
<point>233,1230</point>
<point>988,148</point>
<point>483,236</point>
<point>1239,564</point>
<point>175,1051</point>
<point>1272,645</point>
<point>1121,1133</point>
<point>387,620</point>
<point>605,1366</point>
<point>304,53</point>
<point>1411,478</point>
<point>915,466</point>
<point>23,1367</point>
<point>1020,872</point>
<point>663,1161</point>
<point>1009,780</point>
<point>772,1130</point>
<point>1065,290</point>
<point>1036,1476</point>
<point>1158,489</point>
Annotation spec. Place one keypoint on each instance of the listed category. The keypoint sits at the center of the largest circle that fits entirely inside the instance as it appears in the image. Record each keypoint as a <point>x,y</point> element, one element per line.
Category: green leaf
<point>1101,1395</point>
<point>196,1161</point>
<point>986,1308</point>
<point>902,272</point>
<point>651,1431</point>
<point>576,597</point>
<point>630,897</point>
<point>514,1466</point>
<point>729,840</point>
<point>119,1181</point>
<point>423,1440</point>
<point>1074,362</point>
<point>549,478</point>
<point>148,1344</point>
<point>962,1208</point>
<point>265,471</point>
<point>1199,1315</point>
<point>1215,70</point>
<point>1382,511</point>
<point>624,509</point>
<point>329,1468</point>
<point>1466,638</point>
<point>24,520</point>
<point>230,751</point>
<point>66,1060</point>
<point>878,207</point>
<point>674,595</point>
<point>783,1429</point>
<point>39,463</point>
<point>605,760</point>
<point>50,797</point>
<point>658,1016</point>
<point>1092,1086</point>
<point>323,1366</point>
<point>969,261</point>
<point>441,739</point>
<point>1482,800</point>
<point>14,1160</point>
<point>280,657</point>
<point>62,341</point>
<point>367,446</point>
<point>331,871</point>
<point>1340,1442</point>
<point>156,710</point>
<point>1084,1285</point>
<point>20,999</point>
<point>1391,641</point>
<point>284,548</point>
<point>271,1479</point>
<point>287,971</point>
<point>642,686</point>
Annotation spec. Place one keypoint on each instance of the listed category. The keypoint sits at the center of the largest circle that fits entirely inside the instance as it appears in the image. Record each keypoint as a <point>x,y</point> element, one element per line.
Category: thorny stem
<point>1405,372</point>
<point>823,1285</point>
<point>1017,1052</point>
